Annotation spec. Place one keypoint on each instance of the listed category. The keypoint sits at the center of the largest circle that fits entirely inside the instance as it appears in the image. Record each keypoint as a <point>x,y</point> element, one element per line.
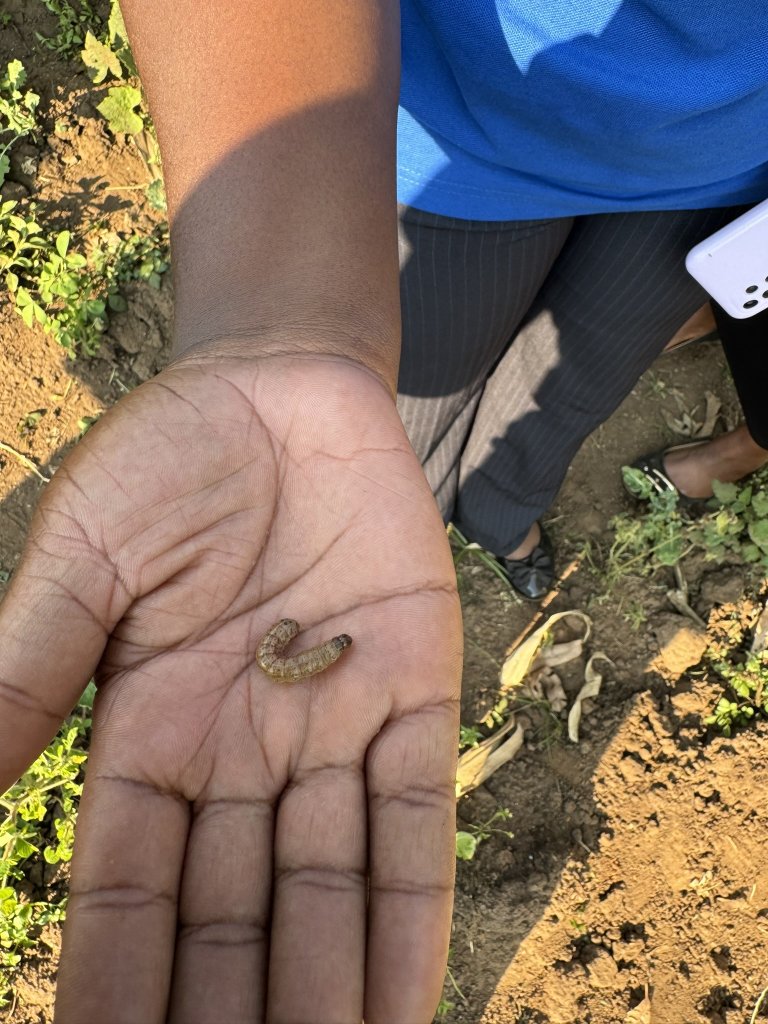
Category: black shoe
<point>532,577</point>
<point>653,469</point>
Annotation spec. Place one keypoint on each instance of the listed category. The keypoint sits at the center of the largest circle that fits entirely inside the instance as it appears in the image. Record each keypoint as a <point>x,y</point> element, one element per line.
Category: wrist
<point>322,345</point>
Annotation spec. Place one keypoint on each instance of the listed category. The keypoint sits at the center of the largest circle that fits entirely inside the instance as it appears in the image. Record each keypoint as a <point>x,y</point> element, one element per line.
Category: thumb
<point>64,601</point>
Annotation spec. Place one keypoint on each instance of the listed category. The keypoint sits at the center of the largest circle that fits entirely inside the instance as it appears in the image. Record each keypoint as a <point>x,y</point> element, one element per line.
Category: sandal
<point>652,467</point>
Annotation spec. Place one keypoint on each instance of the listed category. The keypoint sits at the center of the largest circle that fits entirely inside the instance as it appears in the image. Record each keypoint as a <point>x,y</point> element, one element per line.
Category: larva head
<point>342,641</point>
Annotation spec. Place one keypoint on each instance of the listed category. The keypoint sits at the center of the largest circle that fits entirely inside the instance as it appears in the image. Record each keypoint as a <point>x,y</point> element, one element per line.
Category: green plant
<point>741,525</point>
<point>74,20</point>
<point>635,615</point>
<point>110,53</point>
<point>38,821</point>
<point>467,841</point>
<point>28,424</point>
<point>119,110</point>
<point>661,535</point>
<point>444,1007</point>
<point>746,694</point>
<point>69,295</point>
<point>463,547</point>
<point>469,736</point>
<point>17,111</point>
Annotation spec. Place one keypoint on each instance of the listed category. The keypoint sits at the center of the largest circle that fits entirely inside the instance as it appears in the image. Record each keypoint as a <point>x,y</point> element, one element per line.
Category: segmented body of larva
<point>299,666</point>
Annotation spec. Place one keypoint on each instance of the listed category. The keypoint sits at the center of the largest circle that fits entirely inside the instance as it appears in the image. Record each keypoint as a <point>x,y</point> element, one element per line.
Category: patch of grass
<point>38,821</point>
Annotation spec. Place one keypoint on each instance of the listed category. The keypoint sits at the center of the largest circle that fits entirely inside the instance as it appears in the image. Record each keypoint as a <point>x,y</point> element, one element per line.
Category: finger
<point>317,956</point>
<point>411,774</point>
<point>54,622</point>
<point>119,938</point>
<point>221,951</point>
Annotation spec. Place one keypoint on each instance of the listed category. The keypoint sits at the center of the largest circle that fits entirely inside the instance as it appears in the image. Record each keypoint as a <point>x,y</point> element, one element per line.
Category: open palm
<point>247,849</point>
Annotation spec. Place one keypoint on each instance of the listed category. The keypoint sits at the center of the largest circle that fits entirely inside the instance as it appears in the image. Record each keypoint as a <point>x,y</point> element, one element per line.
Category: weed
<point>468,841</point>
<point>469,736</point>
<point>39,819</point>
<point>635,615</point>
<point>463,547</point>
<point>445,1005</point>
<point>661,535</point>
<point>74,20</point>
<point>17,112</point>
<point>123,109</point>
<point>69,295</point>
<point>746,693</point>
<point>28,424</point>
<point>119,110</point>
<point>85,423</point>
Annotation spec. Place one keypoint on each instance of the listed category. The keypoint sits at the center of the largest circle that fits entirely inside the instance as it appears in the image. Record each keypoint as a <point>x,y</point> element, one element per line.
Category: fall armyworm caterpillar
<point>289,670</point>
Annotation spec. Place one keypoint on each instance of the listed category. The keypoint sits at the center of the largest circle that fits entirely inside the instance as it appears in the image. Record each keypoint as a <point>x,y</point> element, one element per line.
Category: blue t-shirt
<point>515,109</point>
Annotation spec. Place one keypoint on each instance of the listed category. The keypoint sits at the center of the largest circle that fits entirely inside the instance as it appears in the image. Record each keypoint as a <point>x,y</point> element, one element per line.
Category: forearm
<point>276,124</point>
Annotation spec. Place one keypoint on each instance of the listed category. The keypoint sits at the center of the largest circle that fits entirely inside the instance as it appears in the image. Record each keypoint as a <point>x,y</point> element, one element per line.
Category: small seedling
<point>85,423</point>
<point>468,841</point>
<point>28,424</point>
<point>469,736</point>
<point>746,694</point>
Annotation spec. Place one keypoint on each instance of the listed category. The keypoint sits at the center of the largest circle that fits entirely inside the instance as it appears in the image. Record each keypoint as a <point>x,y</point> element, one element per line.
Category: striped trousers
<point>520,338</point>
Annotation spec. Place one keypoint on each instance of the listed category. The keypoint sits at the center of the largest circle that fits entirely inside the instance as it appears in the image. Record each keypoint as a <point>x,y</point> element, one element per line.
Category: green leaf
<point>760,504</point>
<point>84,425</point>
<point>466,845</point>
<point>119,109</point>
<point>669,552</point>
<point>156,195</point>
<point>725,493</point>
<point>118,37</point>
<point>758,532</point>
<point>16,76</point>
<point>636,482</point>
<point>24,849</point>
<point>100,60</point>
<point>27,314</point>
<point>62,243</point>
<point>750,553</point>
<point>5,166</point>
<point>86,701</point>
<point>116,302</point>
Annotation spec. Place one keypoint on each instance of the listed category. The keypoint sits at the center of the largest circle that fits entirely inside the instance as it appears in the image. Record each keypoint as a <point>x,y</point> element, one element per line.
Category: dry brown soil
<point>634,888</point>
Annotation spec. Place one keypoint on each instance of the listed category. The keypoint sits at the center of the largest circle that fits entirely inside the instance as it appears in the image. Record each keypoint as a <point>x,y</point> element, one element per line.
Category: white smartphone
<point>732,264</point>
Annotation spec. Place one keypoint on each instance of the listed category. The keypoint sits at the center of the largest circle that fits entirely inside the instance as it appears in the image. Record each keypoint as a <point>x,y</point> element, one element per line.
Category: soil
<point>633,888</point>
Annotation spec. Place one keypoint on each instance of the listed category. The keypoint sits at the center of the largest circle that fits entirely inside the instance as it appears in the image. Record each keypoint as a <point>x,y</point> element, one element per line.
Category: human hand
<point>247,850</point>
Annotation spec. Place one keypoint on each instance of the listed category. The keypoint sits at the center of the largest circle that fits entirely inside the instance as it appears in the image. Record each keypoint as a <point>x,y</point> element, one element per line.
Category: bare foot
<point>727,458</point>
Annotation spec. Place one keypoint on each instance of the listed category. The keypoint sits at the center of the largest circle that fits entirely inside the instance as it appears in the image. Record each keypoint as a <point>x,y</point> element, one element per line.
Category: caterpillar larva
<point>288,670</point>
